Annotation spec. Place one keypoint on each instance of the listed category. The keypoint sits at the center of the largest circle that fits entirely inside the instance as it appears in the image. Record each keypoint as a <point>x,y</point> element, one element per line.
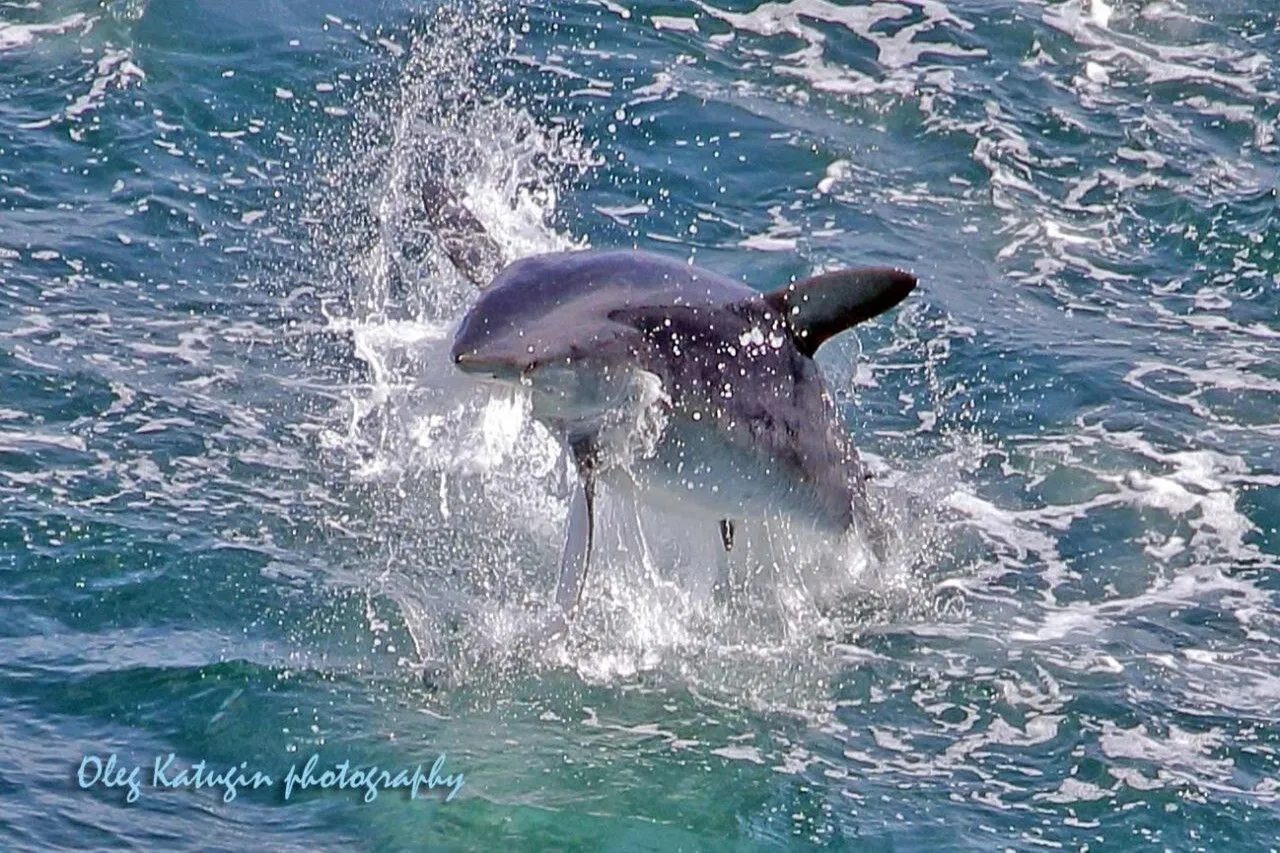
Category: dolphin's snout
<point>470,361</point>
<point>484,364</point>
<point>465,354</point>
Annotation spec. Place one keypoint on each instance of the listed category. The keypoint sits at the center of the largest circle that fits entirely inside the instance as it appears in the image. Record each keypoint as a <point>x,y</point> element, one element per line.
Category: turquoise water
<point>249,513</point>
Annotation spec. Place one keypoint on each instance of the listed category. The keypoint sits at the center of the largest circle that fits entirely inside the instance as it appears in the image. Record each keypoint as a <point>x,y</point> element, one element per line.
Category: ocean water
<point>249,514</point>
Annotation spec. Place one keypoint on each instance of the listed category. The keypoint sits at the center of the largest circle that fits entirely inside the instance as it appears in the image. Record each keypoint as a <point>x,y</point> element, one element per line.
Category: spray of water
<point>461,496</point>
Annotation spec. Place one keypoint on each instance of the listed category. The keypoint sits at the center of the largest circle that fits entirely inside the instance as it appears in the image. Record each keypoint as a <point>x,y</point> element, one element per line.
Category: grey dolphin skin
<point>697,388</point>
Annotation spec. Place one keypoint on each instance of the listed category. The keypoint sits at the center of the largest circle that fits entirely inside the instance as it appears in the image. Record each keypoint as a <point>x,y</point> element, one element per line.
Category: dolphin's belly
<point>694,467</point>
<point>687,460</point>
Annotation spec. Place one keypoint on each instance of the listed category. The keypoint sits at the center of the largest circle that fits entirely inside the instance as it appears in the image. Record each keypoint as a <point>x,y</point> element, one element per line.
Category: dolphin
<point>699,388</point>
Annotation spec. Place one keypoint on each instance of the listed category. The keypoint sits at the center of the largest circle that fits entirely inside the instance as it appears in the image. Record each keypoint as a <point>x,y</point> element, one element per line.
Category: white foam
<point>781,235</point>
<point>666,22</point>
<point>115,68</point>
<point>15,441</point>
<point>1100,13</point>
<point>897,49</point>
<point>1004,525</point>
<point>1180,749</point>
<point>13,36</point>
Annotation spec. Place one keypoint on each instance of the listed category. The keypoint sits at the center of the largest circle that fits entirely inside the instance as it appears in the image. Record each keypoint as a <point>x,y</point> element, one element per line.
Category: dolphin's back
<point>734,369</point>
<point>565,305</point>
<point>561,278</point>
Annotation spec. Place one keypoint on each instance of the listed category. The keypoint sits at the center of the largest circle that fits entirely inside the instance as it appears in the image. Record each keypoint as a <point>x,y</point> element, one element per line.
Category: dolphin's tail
<point>462,236</point>
<point>876,534</point>
<point>867,517</point>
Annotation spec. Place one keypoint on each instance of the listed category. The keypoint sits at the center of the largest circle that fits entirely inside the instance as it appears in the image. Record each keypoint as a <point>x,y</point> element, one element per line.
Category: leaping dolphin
<point>740,423</point>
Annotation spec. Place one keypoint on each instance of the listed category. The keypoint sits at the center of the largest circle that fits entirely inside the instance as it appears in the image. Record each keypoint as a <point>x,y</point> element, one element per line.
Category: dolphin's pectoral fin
<point>578,536</point>
<point>825,305</point>
<point>577,548</point>
<point>726,534</point>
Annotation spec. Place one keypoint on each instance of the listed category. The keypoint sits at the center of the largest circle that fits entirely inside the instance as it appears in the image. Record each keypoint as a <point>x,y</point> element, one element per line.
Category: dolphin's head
<point>510,337</point>
<point>490,349</point>
<point>561,344</point>
<point>532,315</point>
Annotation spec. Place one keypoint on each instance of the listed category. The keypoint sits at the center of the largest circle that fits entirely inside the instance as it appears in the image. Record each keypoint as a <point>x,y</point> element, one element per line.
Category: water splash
<point>465,493</point>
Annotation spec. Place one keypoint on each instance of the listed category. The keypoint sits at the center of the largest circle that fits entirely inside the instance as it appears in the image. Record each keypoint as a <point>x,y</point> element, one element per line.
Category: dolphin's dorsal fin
<point>823,306</point>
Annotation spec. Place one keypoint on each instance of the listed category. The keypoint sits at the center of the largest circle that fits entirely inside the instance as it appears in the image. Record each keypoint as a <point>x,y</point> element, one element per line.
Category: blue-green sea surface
<point>250,514</point>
